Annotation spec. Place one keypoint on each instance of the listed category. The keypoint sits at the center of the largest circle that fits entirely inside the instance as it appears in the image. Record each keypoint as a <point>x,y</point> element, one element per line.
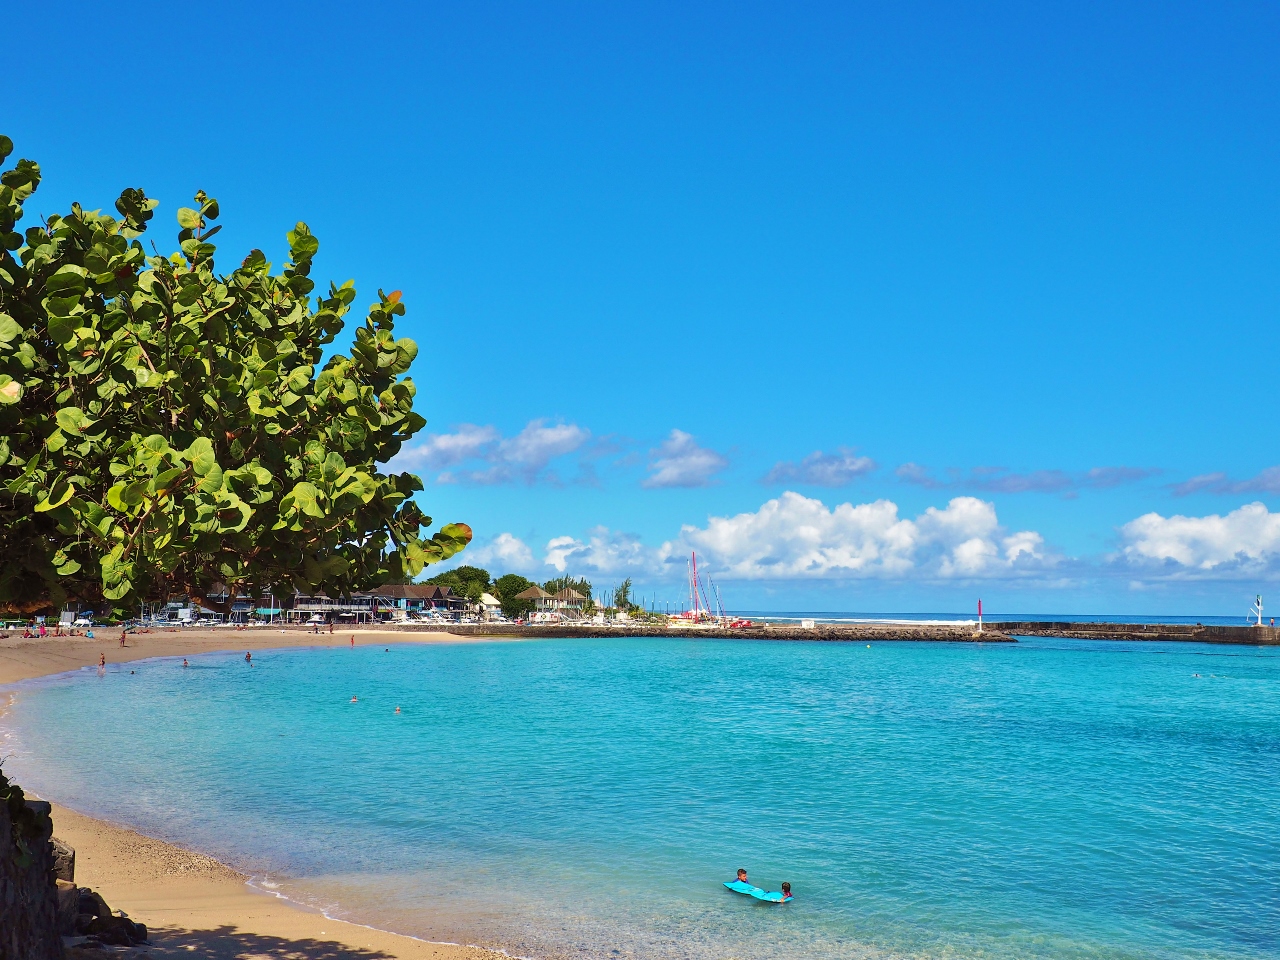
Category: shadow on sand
<point>232,943</point>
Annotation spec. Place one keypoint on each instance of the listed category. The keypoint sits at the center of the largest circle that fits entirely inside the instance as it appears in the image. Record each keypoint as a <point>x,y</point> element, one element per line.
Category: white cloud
<point>505,552</point>
<point>603,551</point>
<point>822,469</point>
<point>522,457</point>
<point>796,537</point>
<point>439,450</point>
<point>680,462</point>
<point>1266,481</point>
<point>1244,542</point>
<point>1002,480</point>
<point>538,444</point>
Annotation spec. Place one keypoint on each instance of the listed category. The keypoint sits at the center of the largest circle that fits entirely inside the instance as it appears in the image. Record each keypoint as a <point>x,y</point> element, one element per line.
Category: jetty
<point>1004,631</point>
<point>1252,635</point>
<point>944,633</point>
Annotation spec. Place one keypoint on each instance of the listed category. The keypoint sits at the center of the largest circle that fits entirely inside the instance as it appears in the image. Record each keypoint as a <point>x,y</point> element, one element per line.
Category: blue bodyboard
<point>737,886</point>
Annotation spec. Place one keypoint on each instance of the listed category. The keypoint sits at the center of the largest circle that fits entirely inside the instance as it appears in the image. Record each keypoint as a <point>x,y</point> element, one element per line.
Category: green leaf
<point>188,219</point>
<point>73,421</point>
<point>201,456</point>
<point>305,498</point>
<point>117,591</point>
<point>9,329</point>
<point>62,330</point>
<point>61,492</point>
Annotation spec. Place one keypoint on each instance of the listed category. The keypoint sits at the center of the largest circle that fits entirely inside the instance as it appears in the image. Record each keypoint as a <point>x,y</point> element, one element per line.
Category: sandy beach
<point>194,905</point>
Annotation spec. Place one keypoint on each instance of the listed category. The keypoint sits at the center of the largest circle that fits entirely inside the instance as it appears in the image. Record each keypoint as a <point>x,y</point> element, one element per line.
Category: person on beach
<point>331,628</point>
<point>353,641</point>
<point>786,893</point>
<point>43,632</point>
<point>89,633</point>
<point>122,635</point>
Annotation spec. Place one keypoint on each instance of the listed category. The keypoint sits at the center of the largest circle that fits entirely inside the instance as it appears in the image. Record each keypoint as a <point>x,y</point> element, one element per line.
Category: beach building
<point>570,602</point>
<point>395,601</point>
<point>422,598</point>
<point>566,603</point>
<point>541,599</point>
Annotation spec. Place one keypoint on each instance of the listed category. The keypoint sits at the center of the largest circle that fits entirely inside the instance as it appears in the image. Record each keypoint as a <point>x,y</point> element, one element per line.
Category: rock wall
<point>28,888</point>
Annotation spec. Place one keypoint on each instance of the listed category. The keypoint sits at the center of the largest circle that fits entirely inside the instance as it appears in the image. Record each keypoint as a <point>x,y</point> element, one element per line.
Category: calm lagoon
<point>584,798</point>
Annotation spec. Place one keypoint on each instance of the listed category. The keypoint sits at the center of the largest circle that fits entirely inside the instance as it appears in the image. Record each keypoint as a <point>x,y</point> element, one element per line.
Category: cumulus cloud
<point>505,551</point>
<point>680,462</point>
<point>1003,480</point>
<point>1245,542</point>
<point>604,551</point>
<point>797,537</point>
<point>822,469</point>
<point>1267,481</point>
<point>440,450</point>
<point>493,458</point>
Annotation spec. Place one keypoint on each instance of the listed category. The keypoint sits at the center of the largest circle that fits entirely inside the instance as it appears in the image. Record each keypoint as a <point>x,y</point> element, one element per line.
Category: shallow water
<point>1053,799</point>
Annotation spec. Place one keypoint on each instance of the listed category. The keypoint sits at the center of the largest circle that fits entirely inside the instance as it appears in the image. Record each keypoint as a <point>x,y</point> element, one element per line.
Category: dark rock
<point>140,932</point>
<point>68,907</point>
<point>29,905</point>
<point>82,922</point>
<point>93,904</point>
<point>64,861</point>
<point>116,931</point>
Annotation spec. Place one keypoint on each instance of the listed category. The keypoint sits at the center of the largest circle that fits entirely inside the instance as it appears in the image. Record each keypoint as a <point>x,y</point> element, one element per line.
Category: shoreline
<point>191,902</point>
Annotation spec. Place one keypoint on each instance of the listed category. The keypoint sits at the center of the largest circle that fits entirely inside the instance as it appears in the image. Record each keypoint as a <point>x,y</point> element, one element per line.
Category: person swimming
<point>742,877</point>
<point>248,658</point>
<point>184,662</point>
<point>397,709</point>
<point>786,893</point>
<point>355,699</point>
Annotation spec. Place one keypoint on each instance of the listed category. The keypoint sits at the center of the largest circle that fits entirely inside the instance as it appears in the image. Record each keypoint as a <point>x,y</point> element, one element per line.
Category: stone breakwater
<point>1186,632</point>
<point>937,633</point>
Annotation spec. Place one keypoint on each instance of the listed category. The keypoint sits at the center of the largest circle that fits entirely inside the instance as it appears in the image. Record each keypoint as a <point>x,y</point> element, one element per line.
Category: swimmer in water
<point>355,699</point>
<point>397,709</point>
<point>102,659</point>
<point>786,893</point>
<point>184,662</point>
<point>248,658</point>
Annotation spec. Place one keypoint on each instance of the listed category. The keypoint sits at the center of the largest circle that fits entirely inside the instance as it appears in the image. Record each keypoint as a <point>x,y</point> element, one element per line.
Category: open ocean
<point>585,798</point>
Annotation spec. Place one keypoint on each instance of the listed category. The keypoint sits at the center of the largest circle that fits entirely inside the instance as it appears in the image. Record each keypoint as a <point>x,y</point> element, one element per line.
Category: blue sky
<point>1012,264</point>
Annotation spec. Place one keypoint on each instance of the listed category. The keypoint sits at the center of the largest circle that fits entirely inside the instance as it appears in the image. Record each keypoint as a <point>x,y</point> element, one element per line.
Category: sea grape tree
<point>165,427</point>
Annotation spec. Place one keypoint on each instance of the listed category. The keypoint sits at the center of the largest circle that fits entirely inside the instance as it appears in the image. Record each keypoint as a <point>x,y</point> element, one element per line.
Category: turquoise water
<point>585,798</point>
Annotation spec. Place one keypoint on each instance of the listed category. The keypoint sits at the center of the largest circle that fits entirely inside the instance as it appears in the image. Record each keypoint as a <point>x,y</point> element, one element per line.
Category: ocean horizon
<point>1051,799</point>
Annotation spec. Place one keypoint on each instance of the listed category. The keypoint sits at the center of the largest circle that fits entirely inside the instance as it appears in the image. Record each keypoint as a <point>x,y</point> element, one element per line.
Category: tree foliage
<point>622,595</point>
<point>165,427</point>
<point>465,581</point>
<point>508,587</point>
<point>580,584</point>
